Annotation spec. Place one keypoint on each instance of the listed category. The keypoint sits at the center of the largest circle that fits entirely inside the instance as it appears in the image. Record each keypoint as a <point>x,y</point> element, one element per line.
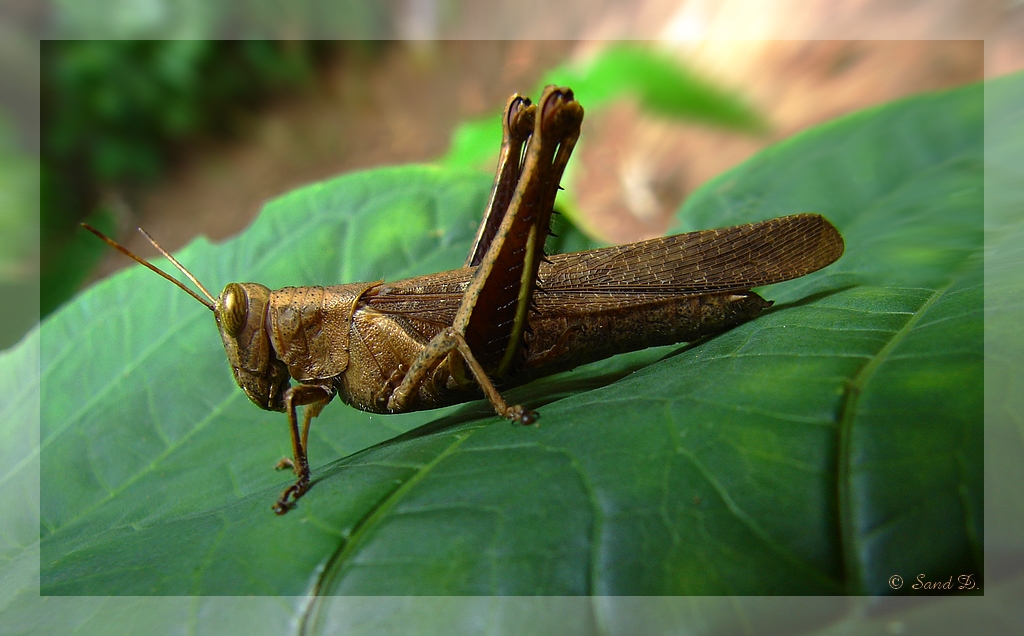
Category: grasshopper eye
<point>234,308</point>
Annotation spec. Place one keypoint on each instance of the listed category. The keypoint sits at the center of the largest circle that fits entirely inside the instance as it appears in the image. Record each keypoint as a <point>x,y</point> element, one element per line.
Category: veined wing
<point>709,261</point>
<point>432,300</point>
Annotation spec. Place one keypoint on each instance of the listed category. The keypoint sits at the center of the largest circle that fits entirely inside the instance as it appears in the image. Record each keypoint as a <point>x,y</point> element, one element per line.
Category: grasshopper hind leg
<point>443,344</point>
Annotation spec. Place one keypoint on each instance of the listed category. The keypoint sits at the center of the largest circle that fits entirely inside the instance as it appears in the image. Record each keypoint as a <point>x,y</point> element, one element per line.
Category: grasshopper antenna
<point>117,246</point>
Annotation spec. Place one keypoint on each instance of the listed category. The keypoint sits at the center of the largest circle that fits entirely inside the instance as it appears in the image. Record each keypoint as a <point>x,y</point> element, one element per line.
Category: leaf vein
<point>368,522</point>
<point>214,412</point>
<point>848,537</point>
<point>747,521</point>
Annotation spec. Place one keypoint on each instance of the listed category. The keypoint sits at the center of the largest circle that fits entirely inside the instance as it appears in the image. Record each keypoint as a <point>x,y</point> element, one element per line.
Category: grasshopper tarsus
<point>281,506</point>
<point>290,496</point>
<point>523,416</point>
<point>284,463</point>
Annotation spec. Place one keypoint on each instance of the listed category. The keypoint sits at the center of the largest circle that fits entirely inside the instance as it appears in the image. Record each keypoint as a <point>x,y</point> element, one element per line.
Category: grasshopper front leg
<point>314,398</point>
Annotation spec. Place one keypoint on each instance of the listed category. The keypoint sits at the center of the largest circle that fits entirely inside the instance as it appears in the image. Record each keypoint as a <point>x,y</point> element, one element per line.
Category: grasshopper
<point>511,313</point>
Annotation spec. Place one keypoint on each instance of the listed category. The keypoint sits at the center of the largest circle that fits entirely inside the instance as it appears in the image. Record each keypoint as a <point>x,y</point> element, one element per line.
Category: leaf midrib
<point>848,538</point>
<point>370,521</point>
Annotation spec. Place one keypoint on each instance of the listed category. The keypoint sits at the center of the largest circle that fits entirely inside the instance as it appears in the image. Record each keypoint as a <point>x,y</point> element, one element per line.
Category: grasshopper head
<point>241,312</point>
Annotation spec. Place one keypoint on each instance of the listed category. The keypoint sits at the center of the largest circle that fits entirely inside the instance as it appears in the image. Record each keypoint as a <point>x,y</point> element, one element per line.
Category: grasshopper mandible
<point>511,314</point>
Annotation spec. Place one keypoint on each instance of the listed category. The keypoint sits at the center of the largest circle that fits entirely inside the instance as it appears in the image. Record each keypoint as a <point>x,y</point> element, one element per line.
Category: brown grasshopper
<point>511,314</point>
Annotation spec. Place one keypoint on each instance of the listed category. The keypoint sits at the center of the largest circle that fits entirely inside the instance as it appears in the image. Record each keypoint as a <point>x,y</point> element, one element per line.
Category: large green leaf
<point>819,449</point>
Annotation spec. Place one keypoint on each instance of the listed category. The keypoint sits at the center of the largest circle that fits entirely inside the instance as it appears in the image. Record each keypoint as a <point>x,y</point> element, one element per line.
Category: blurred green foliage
<point>113,112</point>
<point>225,19</point>
<point>112,106</point>
<point>19,234</point>
<point>18,178</point>
<point>661,84</point>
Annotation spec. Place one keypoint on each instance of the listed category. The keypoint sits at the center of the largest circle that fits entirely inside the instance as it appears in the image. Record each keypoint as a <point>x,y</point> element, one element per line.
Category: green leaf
<point>473,143</point>
<point>661,83</point>
<point>819,449</point>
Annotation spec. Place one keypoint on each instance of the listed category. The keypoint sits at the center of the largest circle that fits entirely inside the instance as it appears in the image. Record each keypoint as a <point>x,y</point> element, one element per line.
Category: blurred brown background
<point>632,170</point>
